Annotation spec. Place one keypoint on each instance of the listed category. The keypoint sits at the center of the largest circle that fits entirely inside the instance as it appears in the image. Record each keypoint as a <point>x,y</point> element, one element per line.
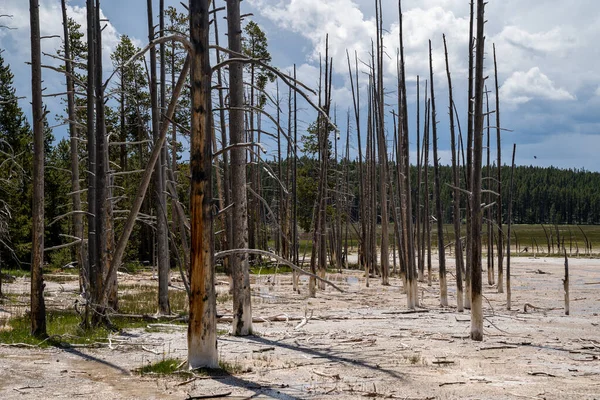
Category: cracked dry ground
<point>357,344</point>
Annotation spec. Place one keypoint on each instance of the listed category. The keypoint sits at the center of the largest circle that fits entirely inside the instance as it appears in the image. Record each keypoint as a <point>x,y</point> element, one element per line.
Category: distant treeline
<point>540,195</point>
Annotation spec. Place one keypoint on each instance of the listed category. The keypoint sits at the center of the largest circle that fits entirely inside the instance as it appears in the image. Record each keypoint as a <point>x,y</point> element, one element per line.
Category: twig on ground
<point>323,374</point>
<point>208,396</point>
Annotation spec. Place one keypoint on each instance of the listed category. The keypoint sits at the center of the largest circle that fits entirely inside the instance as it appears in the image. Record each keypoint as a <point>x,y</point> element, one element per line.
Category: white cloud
<point>522,87</point>
<point>555,41</point>
<point>50,25</point>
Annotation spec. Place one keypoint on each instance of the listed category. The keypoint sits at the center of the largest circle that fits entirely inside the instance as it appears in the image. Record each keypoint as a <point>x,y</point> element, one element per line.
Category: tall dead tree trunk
<point>202,328</point>
<point>38,307</point>
<point>406,195</point>
<point>566,283</point>
<point>456,192</point>
<point>160,203</point>
<point>295,240</point>
<point>362,216</point>
<point>499,182</point>
<point>438,192</point>
<point>91,154</point>
<point>225,164</point>
<point>489,231</point>
<point>102,227</point>
<point>419,211</point>
<point>427,219</point>
<point>383,164</point>
<point>164,305</point>
<point>469,167</point>
<point>509,222</point>
<point>476,210</point>
<point>74,144</point>
<point>242,311</point>
<point>105,223</point>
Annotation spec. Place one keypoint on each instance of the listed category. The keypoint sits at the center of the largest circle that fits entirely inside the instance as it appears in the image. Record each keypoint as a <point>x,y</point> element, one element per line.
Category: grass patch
<point>269,269</point>
<point>167,366</point>
<point>143,299</point>
<point>60,278</point>
<point>133,267</point>
<point>63,329</point>
<point>15,273</point>
<point>224,297</point>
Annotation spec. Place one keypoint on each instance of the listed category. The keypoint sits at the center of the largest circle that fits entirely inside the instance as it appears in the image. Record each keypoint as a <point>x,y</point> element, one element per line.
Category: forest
<point>188,207</point>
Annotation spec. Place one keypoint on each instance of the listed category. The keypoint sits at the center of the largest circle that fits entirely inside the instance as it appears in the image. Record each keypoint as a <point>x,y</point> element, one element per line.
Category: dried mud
<point>357,344</point>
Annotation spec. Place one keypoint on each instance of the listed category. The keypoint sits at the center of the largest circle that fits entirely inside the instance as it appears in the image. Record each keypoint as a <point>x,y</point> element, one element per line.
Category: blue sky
<point>547,57</point>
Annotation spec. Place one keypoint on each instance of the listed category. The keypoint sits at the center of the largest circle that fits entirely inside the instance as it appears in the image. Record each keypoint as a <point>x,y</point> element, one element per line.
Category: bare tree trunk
<point>106,239</point>
<point>566,283</point>
<point>456,192</point>
<point>159,186</point>
<point>509,216</point>
<point>102,227</point>
<point>438,193</point>
<point>202,328</point>
<point>348,198</point>
<point>419,211</point>
<point>383,174</point>
<point>476,211</point>
<point>74,142</point>
<point>38,307</point>
<point>363,227</point>
<point>91,154</point>
<point>470,116</point>
<point>489,232</point>
<point>295,240</point>
<point>225,164</point>
<point>242,310</point>
<point>427,220</point>
<point>406,196</point>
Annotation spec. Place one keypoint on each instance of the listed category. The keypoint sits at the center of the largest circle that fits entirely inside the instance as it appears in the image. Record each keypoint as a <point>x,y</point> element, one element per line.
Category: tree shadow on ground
<point>89,357</point>
<point>259,390</point>
<point>326,354</point>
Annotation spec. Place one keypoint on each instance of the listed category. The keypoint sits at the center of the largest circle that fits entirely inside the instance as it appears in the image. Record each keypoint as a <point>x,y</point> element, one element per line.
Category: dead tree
<point>202,328</point>
<point>509,216</point>
<point>499,182</point>
<point>101,210</point>
<point>162,248</point>
<point>566,283</point>
<point>476,209</point>
<point>489,231</point>
<point>227,217</point>
<point>91,156</point>
<point>419,211</point>
<point>437,192</point>
<point>74,144</point>
<point>38,307</point>
<point>469,167</point>
<point>323,128</point>
<point>382,148</point>
<point>295,189</point>
<point>242,311</point>
<point>362,216</point>
<point>405,187</point>
<point>456,192</point>
<point>427,219</point>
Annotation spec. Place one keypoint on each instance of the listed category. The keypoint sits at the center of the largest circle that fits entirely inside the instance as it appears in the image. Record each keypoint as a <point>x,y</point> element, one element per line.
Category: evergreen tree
<point>16,151</point>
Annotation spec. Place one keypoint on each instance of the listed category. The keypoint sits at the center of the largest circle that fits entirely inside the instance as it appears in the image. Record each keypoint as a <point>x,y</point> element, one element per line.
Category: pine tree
<point>16,149</point>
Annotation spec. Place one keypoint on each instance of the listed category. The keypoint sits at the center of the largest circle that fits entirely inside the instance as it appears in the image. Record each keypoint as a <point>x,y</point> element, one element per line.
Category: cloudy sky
<point>550,85</point>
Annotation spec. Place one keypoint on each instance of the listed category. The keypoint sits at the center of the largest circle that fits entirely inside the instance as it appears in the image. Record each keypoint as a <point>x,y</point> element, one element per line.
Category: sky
<point>546,50</point>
